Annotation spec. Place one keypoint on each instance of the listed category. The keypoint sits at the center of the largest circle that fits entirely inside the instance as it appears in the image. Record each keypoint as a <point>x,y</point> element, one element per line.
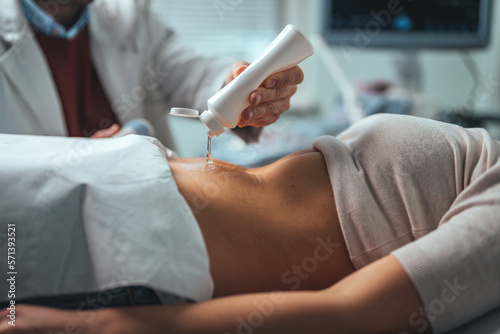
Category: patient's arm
<point>379,298</point>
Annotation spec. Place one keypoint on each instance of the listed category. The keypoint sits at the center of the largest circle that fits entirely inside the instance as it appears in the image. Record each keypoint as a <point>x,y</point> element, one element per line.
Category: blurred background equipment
<point>408,27</point>
<point>408,24</point>
<point>430,58</point>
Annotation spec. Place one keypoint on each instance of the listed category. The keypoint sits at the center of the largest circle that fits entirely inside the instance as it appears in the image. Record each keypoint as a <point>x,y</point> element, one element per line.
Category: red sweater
<point>85,105</point>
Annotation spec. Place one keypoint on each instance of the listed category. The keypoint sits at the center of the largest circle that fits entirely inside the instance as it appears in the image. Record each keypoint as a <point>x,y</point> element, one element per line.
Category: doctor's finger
<point>262,95</point>
<point>265,113</point>
<point>235,70</point>
<point>292,76</point>
<point>107,133</point>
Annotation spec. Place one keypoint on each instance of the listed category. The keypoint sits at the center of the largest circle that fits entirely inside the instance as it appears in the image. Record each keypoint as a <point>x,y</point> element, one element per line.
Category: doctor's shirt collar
<point>48,25</point>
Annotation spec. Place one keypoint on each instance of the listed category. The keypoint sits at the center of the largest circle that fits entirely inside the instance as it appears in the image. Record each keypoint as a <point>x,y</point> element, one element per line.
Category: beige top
<point>433,188</point>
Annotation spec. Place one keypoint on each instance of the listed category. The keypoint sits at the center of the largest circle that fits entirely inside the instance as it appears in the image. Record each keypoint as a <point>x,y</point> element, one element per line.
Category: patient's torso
<point>270,228</point>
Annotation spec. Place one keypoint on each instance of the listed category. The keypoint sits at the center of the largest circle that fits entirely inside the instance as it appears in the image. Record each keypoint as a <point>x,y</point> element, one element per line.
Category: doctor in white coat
<point>142,68</point>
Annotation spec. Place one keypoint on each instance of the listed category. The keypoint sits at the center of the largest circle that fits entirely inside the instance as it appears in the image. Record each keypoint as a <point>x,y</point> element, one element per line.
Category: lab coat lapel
<point>119,72</point>
<point>25,66</point>
<point>116,57</point>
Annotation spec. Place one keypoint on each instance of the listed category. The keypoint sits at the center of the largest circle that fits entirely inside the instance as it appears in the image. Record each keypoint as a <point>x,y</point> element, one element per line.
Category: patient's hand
<point>35,319</point>
<point>271,99</point>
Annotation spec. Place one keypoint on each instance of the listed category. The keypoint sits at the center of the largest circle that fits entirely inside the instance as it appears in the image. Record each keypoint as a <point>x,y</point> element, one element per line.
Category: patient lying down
<point>361,234</point>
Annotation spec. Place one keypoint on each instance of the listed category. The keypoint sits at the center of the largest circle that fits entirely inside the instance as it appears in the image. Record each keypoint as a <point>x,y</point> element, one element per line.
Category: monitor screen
<point>408,23</point>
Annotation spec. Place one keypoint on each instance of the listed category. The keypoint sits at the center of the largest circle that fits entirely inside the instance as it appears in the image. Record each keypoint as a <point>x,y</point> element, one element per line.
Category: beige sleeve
<point>455,269</point>
<point>429,193</point>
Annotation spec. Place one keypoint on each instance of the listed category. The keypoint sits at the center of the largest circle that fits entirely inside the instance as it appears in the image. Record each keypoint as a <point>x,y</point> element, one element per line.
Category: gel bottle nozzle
<point>225,107</point>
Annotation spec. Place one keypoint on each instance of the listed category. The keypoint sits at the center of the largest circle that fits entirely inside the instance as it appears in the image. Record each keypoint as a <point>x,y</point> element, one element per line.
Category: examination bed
<point>487,324</point>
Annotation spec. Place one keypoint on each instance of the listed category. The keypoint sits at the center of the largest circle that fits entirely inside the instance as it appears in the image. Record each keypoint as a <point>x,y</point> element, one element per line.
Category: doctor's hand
<point>107,133</point>
<point>271,99</point>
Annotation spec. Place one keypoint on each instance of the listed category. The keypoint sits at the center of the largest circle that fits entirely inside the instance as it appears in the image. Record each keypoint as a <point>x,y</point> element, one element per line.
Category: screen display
<point>434,19</point>
<point>420,15</point>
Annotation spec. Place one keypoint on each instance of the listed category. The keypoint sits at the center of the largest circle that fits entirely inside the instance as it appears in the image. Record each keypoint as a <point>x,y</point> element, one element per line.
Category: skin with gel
<point>209,150</point>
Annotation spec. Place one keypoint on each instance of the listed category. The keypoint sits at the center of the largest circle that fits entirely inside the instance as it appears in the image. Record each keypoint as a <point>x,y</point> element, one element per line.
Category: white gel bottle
<point>226,106</point>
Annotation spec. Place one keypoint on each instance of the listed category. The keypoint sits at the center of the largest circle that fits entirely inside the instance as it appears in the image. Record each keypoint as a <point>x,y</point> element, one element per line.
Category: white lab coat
<point>143,70</point>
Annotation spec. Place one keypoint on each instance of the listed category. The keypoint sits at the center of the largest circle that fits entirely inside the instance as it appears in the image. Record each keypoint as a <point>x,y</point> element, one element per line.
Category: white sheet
<point>97,214</point>
<point>487,324</point>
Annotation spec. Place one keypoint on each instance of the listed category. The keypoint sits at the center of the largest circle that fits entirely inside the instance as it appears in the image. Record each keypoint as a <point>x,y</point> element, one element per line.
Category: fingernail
<point>257,99</point>
<point>245,116</point>
<point>271,83</point>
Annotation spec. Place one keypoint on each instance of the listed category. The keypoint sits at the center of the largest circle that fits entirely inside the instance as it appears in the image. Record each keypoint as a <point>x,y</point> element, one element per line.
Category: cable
<point>475,73</point>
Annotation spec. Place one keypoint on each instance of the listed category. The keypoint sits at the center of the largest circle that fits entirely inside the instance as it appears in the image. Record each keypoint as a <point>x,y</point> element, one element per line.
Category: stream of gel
<point>209,150</point>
